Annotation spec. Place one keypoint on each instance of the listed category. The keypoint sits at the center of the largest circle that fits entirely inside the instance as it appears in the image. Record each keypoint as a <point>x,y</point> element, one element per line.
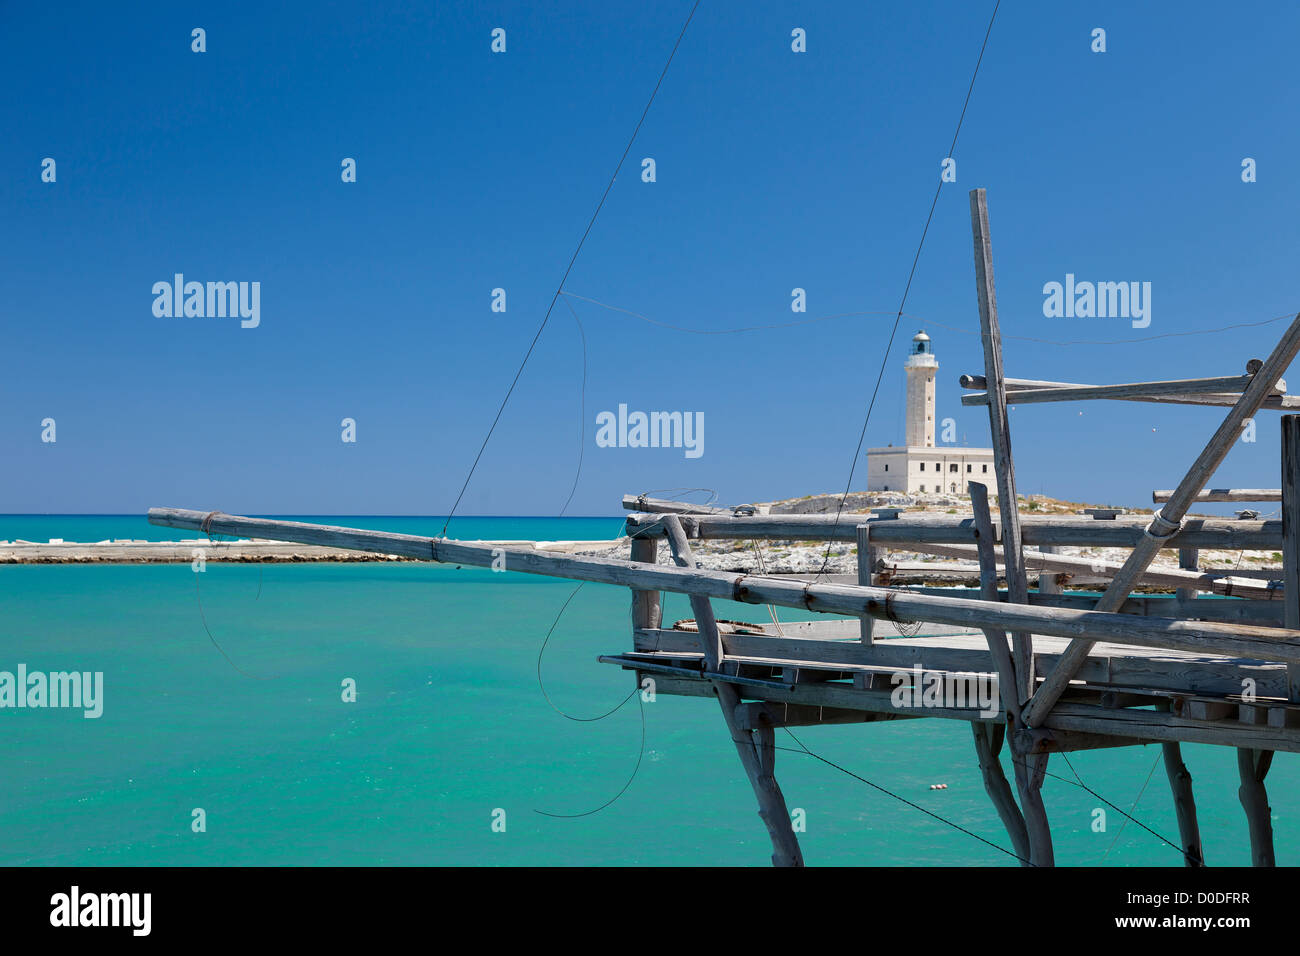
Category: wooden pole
<point>1233,639</point>
<point>1188,560</point>
<point>866,562</point>
<point>1123,531</point>
<point>646,608</point>
<point>1180,782</point>
<point>1091,567</point>
<point>1038,833</point>
<point>1048,582</point>
<point>1008,510</point>
<point>756,748</point>
<point>1168,519</point>
<point>1291,537</point>
<point>988,744</point>
<point>1194,386</point>
<point>1225,494</point>
<point>1252,766</point>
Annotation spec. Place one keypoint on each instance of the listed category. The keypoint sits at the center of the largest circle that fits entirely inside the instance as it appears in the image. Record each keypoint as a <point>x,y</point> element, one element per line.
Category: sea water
<point>450,748</point>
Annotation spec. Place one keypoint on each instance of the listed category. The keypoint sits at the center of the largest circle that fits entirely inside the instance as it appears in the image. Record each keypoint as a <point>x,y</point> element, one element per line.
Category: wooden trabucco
<point>1042,671</point>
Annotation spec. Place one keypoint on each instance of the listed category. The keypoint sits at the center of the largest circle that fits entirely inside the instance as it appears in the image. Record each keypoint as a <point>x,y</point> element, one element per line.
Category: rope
<point>572,260</point>
<point>884,360</point>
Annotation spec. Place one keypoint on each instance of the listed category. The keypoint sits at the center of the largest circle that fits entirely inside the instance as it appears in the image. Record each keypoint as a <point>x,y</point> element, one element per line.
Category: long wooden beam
<point>1217,399</point>
<point>1167,577</point>
<point>1224,494</point>
<point>1167,521</point>
<point>852,600</point>
<point>1124,531</point>
<point>1191,386</point>
<point>1022,643</point>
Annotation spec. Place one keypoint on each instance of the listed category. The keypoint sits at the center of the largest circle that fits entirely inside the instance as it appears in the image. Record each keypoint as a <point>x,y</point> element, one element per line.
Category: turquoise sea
<point>449,726</point>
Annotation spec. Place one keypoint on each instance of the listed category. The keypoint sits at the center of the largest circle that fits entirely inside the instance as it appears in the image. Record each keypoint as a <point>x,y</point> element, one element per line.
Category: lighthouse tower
<point>919,465</point>
<point>921,366</point>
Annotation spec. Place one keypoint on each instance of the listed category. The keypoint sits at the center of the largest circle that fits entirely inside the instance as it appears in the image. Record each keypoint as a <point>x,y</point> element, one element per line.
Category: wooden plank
<point>1094,567</point>
<point>1171,516</point>
<point>1124,532</point>
<point>663,506</point>
<point>1224,494</point>
<point>1112,665</point>
<point>1191,386</point>
<point>1221,399</point>
<point>846,599</point>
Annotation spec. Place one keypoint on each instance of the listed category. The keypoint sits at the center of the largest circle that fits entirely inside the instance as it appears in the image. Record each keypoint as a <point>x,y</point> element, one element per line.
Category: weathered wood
<point>755,747</point>
<point>663,506</point>
<point>1009,679</point>
<point>1008,510</point>
<point>647,610</point>
<point>847,599</point>
<point>1224,494</point>
<point>1217,399</point>
<point>1191,386</point>
<point>1124,532</point>
<point>1291,536</point>
<point>1049,582</point>
<point>988,744</point>
<point>1094,567</point>
<point>1180,783</point>
<point>1188,560</point>
<point>866,563</point>
<point>1262,613</point>
<point>1252,767</point>
<point>1166,522</point>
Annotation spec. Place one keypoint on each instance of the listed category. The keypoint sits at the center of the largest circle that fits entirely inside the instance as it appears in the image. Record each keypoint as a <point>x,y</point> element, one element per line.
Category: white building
<point>919,466</point>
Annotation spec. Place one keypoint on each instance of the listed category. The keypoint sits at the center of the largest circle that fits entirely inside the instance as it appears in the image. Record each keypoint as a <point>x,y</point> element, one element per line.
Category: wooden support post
<point>1047,581</point>
<point>1168,520</point>
<point>866,562</point>
<point>756,748</point>
<point>1188,560</point>
<point>1008,510</point>
<point>1291,537</point>
<point>1252,766</point>
<point>988,744</point>
<point>1180,782</point>
<point>1028,768</point>
<point>647,611</point>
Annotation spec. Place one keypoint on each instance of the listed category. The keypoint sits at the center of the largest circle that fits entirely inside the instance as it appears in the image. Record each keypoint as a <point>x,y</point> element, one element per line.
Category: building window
<point>938,467</point>
<point>952,467</point>
<point>886,468</point>
<point>986,468</point>
<point>923,489</point>
<point>968,469</point>
<point>923,466</point>
<point>952,488</point>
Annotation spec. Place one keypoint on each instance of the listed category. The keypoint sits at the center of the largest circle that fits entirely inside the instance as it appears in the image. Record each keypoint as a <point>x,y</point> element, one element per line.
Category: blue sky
<point>477,170</point>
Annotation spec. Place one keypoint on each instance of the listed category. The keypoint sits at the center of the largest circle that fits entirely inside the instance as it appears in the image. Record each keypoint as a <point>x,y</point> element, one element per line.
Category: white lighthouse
<point>923,466</point>
<point>921,368</point>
